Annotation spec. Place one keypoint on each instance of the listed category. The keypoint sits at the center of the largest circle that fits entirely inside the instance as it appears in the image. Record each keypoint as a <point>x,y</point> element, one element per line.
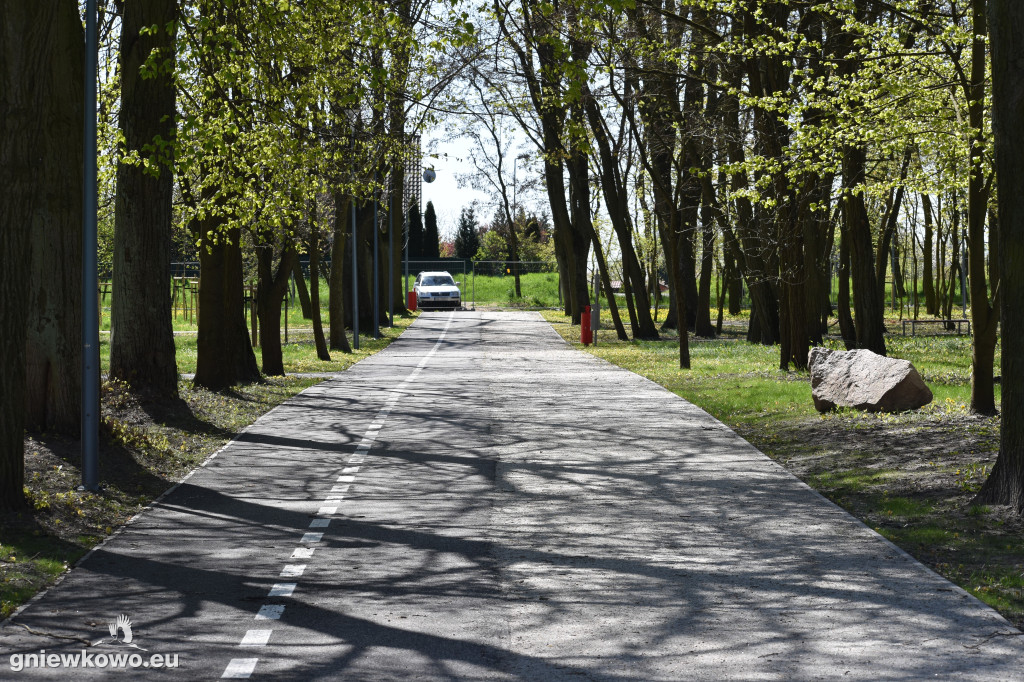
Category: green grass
<point>298,353</point>
<point>538,289</point>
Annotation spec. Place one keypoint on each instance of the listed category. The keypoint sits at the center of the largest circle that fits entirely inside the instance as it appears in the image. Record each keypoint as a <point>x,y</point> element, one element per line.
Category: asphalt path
<point>480,501</point>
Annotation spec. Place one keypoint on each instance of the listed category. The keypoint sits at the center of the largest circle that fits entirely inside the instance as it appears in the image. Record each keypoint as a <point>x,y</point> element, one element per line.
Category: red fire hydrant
<point>586,333</point>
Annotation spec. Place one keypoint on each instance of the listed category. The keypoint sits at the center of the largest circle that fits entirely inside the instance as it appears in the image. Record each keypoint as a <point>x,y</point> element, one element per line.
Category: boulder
<point>865,381</point>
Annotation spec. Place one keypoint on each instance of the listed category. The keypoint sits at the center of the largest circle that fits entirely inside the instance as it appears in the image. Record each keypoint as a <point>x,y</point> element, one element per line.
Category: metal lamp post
<point>90,270</point>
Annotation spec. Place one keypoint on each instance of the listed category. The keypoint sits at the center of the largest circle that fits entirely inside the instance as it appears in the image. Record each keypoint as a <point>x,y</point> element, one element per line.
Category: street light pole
<point>90,270</point>
<point>391,252</point>
<point>376,277</point>
<point>355,280</point>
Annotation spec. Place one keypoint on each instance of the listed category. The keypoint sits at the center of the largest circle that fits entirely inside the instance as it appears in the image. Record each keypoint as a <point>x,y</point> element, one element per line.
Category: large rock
<point>865,381</point>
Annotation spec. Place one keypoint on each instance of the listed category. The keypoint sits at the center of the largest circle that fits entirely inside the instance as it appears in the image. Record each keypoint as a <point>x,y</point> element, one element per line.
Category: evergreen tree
<point>467,239</point>
<point>415,233</point>
<point>431,239</point>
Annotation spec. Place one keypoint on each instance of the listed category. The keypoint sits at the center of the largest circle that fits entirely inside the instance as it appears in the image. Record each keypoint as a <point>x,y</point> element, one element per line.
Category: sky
<point>448,196</point>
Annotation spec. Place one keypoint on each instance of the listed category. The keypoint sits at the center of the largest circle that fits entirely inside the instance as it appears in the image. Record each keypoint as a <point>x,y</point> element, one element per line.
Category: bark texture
<point>141,335</point>
<point>224,353</point>
<point>40,61</point>
<point>1006,22</point>
<point>53,354</point>
<point>270,292</point>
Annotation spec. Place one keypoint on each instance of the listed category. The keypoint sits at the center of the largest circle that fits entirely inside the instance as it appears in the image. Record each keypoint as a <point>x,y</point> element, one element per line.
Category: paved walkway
<point>479,501</point>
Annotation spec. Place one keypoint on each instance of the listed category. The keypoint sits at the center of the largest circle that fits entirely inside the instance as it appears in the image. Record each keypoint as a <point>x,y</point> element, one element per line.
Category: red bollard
<point>410,301</point>
<point>586,333</point>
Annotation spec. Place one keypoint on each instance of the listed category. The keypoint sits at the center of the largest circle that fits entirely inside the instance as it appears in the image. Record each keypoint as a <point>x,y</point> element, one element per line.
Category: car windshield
<point>438,281</point>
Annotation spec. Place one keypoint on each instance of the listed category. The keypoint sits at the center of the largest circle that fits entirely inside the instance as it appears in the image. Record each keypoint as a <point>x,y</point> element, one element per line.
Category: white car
<point>437,290</point>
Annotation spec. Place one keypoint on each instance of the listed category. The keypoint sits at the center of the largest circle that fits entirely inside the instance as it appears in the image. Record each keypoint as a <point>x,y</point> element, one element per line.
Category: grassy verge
<point>144,449</point>
<point>538,289</point>
<point>298,352</point>
<point>910,476</point>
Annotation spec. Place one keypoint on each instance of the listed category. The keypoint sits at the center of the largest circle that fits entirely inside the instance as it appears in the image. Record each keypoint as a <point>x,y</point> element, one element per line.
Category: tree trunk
<point>732,274</point>
<point>868,312</point>
<point>616,198</point>
<point>141,336</point>
<point>53,353</point>
<point>575,298</point>
<point>314,278</point>
<point>931,305</point>
<point>1006,20</point>
<point>336,283</point>
<point>270,293</point>
<point>846,327</point>
<point>299,278</point>
<point>224,355</point>
<point>703,326</point>
<point>883,254</point>
<point>983,314</point>
<point>42,76</point>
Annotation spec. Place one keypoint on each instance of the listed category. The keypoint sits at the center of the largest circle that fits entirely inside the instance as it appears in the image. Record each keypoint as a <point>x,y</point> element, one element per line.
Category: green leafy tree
<point>467,237</point>
<point>415,233</point>
<point>431,239</point>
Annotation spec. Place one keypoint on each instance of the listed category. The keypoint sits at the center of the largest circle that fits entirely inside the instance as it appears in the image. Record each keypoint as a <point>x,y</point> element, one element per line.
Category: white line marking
<point>302,553</point>
<point>363,446</point>
<point>332,500</point>
<point>256,638</point>
<point>356,459</point>
<point>282,590</point>
<point>319,523</point>
<point>270,612</point>
<point>240,668</point>
<point>327,510</point>
<point>311,537</point>
<point>346,479</point>
<point>293,570</point>
<point>350,470</point>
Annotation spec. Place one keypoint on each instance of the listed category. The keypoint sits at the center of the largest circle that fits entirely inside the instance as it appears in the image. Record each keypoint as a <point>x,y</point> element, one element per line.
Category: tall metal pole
<point>355,281</point>
<point>376,277</point>
<point>405,239</point>
<point>90,270</point>
<point>391,252</point>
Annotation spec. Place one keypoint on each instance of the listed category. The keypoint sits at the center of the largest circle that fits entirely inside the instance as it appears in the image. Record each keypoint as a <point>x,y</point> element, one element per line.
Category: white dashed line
<point>282,589</point>
<point>270,612</point>
<point>256,638</point>
<point>240,668</point>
